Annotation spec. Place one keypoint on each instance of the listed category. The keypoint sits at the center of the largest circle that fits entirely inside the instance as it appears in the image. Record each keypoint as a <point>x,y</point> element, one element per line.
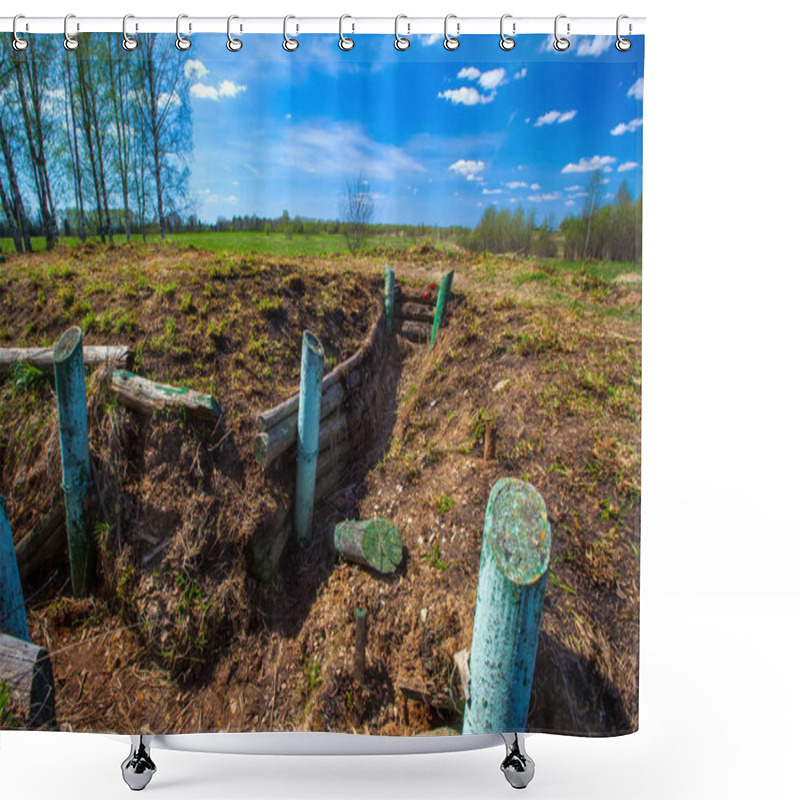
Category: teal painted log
<point>441,303</point>
<point>388,297</point>
<point>311,364</point>
<point>508,614</point>
<point>375,543</point>
<point>75,469</point>
<point>13,619</point>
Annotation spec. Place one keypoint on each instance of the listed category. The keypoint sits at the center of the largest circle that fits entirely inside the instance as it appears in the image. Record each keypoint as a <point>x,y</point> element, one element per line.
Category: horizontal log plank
<point>47,542</point>
<point>406,295</point>
<point>146,396</point>
<point>419,332</point>
<point>415,311</point>
<point>42,357</point>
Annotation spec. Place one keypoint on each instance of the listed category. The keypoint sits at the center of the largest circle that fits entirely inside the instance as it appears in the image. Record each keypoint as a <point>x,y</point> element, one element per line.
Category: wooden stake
<point>359,667</point>
<point>73,431</point>
<point>13,619</point>
<point>490,445</point>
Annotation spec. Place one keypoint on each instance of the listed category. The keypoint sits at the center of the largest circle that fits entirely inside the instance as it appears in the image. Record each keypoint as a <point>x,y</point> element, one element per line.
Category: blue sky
<point>439,135</point>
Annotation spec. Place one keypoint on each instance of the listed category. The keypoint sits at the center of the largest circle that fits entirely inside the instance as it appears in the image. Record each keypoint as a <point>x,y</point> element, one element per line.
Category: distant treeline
<point>610,232</point>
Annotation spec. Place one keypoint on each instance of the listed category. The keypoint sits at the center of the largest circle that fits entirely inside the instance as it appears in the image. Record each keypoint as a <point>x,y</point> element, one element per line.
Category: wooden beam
<point>415,331</point>
<point>415,311</point>
<point>146,396</point>
<point>42,357</point>
<point>45,543</point>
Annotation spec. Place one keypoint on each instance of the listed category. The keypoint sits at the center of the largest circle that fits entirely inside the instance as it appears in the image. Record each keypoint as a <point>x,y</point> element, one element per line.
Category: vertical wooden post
<point>388,297</point>
<point>360,664</point>
<point>511,585</point>
<point>441,302</point>
<point>13,619</point>
<point>73,431</point>
<point>490,445</point>
<point>311,364</point>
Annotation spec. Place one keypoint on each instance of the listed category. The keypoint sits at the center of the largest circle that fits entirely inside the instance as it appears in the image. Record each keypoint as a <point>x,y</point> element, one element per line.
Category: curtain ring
<point>70,42</point>
<point>450,42</point>
<point>345,42</point>
<point>560,43</point>
<point>507,42</point>
<point>19,43</point>
<point>623,44</point>
<point>182,42</point>
<point>233,44</point>
<point>128,42</point>
<point>289,44</point>
<point>400,42</point>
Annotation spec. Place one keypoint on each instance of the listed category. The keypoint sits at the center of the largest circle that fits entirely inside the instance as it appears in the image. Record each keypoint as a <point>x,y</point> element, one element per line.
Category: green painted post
<point>388,297</point>
<point>73,431</point>
<point>441,302</point>
<point>511,585</point>
<point>311,364</point>
<point>13,619</point>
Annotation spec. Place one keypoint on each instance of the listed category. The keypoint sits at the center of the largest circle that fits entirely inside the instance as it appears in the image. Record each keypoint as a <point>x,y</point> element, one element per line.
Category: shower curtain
<point>320,384</point>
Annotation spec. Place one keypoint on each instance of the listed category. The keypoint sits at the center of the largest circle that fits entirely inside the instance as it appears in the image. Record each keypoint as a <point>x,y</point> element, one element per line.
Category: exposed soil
<point>178,638</point>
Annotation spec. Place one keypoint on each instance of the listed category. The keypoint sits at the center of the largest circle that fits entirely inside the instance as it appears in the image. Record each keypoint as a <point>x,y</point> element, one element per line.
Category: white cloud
<point>555,116</point>
<point>637,90</point>
<point>194,69</point>
<point>492,78</point>
<point>570,203</point>
<point>466,95</point>
<point>230,89</point>
<point>469,73</point>
<point>429,39</point>
<point>539,198</point>
<point>591,164</point>
<point>468,169</point>
<point>288,116</point>
<point>627,165</point>
<point>627,127</point>
<point>516,185</point>
<point>534,187</point>
<point>492,191</point>
<point>226,88</point>
<point>166,99</point>
<point>521,74</point>
<point>594,45</point>
<point>574,188</point>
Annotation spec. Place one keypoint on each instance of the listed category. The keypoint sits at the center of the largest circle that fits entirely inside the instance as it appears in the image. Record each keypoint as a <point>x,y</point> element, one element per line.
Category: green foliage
<point>269,306</point>
<point>6,716</point>
<point>434,558</point>
<point>27,378</point>
<point>444,503</point>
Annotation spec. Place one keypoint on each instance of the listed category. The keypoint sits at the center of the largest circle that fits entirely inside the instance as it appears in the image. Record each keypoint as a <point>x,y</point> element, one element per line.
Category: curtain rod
<point>514,26</point>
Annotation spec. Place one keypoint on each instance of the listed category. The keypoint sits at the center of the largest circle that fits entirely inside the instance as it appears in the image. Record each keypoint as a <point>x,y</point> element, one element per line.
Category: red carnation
<point>426,295</point>
<point>432,286</point>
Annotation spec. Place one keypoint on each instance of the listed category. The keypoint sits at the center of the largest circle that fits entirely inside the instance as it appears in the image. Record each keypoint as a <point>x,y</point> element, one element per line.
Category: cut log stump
<point>374,543</point>
<point>28,678</point>
<point>147,396</point>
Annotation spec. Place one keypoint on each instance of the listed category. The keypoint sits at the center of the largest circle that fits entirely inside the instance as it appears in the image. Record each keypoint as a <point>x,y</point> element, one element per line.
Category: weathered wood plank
<point>26,671</point>
<point>42,357</point>
<point>146,396</point>
<point>415,311</point>
<point>415,331</point>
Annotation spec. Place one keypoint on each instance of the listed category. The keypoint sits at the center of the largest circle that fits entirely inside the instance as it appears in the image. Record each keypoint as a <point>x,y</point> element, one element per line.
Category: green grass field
<point>273,244</point>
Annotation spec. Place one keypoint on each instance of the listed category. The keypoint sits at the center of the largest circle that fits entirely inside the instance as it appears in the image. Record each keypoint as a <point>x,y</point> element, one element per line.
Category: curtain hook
<point>128,42</point>
<point>560,43</point>
<point>19,43</point>
<point>233,44</point>
<point>450,42</point>
<point>289,44</point>
<point>70,42</point>
<point>507,42</point>
<point>182,42</point>
<point>345,42</point>
<point>623,44</point>
<point>400,42</point>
